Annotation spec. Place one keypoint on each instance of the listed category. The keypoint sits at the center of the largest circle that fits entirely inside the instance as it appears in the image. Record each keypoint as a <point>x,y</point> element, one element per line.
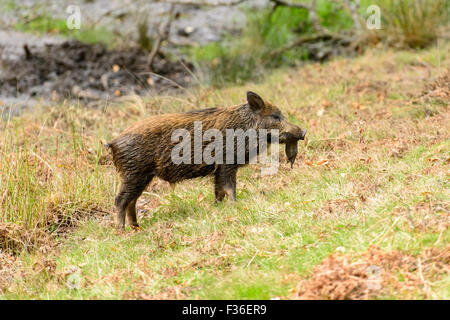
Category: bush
<point>413,23</point>
<point>239,59</point>
<point>243,58</point>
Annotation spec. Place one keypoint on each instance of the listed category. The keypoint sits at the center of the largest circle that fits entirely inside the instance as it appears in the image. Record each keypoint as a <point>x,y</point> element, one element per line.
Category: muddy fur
<point>144,150</point>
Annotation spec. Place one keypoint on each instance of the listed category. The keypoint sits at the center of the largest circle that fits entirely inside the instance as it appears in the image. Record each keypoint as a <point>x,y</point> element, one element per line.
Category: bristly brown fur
<point>144,150</point>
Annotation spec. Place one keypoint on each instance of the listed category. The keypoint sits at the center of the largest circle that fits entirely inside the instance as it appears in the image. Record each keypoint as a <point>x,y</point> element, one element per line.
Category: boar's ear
<point>254,101</point>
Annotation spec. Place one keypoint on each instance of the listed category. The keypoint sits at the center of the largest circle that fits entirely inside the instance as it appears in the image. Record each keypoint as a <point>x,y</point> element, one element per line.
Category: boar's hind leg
<point>130,191</point>
<point>225,182</point>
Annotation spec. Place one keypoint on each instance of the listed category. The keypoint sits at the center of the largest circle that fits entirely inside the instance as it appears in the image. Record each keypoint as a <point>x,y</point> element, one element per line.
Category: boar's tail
<point>112,147</point>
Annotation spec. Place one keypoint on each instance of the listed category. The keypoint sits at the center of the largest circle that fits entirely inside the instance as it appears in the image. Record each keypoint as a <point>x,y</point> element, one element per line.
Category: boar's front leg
<point>225,182</point>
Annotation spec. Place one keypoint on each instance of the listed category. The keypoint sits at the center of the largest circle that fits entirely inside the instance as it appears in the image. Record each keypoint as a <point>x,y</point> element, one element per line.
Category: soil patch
<point>15,238</point>
<point>88,71</point>
<point>439,88</point>
<point>60,221</point>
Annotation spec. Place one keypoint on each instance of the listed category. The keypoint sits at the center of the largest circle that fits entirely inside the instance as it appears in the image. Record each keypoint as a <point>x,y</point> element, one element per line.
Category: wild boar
<point>150,149</point>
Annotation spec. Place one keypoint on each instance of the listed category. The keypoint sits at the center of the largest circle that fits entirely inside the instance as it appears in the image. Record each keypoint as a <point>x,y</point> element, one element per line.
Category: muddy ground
<point>78,70</point>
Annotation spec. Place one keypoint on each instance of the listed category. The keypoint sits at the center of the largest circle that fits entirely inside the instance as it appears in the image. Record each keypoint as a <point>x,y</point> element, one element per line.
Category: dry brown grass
<point>15,239</point>
<point>374,274</point>
<point>10,268</point>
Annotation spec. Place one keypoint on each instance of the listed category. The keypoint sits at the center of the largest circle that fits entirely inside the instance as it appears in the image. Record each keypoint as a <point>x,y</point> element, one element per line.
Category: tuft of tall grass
<point>50,169</point>
<point>413,23</point>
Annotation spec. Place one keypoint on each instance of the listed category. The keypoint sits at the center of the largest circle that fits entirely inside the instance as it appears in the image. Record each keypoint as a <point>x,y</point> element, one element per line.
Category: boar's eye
<point>276,117</point>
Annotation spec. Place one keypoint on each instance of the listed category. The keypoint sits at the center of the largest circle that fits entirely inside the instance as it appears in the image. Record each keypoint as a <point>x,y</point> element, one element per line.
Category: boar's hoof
<point>120,226</point>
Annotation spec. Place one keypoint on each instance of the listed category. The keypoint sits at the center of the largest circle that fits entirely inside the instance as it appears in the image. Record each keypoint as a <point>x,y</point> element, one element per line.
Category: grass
<point>374,172</point>
<point>414,23</point>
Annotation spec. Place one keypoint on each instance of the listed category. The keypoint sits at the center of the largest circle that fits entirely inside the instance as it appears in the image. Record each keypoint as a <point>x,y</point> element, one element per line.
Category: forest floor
<point>363,214</point>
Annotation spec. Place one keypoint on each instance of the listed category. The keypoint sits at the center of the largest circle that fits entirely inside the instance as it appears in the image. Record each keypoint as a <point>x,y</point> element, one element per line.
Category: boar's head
<point>270,117</point>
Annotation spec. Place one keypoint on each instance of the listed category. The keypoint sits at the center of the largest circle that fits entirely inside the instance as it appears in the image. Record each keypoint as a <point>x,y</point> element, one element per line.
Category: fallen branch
<point>27,52</point>
<point>324,36</point>
<point>163,34</point>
